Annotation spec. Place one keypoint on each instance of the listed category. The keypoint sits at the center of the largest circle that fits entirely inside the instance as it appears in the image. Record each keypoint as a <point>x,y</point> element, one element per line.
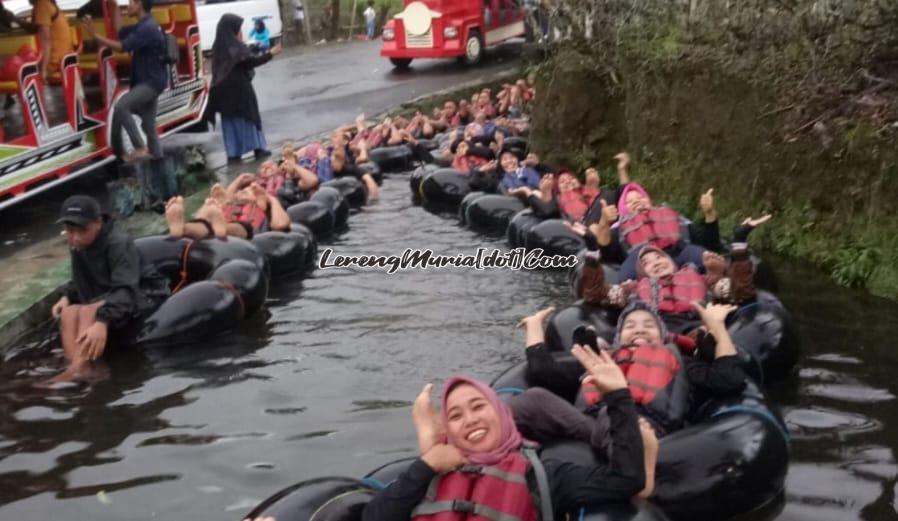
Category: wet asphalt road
<point>301,93</point>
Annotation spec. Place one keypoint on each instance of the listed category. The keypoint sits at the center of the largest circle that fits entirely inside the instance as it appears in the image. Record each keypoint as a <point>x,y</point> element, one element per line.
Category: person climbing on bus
<point>476,430</point>
<point>669,289</point>
<point>53,33</point>
<point>243,209</point>
<point>149,77</point>
<point>110,292</point>
<point>669,376</point>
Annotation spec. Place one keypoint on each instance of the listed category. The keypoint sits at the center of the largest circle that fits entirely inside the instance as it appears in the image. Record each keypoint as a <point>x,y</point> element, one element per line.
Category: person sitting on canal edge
<point>149,77</point>
<point>110,292</point>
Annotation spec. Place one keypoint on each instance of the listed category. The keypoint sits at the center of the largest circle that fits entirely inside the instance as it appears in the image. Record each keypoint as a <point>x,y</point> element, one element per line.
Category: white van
<point>208,14</point>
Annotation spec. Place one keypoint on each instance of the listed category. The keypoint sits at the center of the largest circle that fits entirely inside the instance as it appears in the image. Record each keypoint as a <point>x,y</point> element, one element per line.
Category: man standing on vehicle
<point>149,77</point>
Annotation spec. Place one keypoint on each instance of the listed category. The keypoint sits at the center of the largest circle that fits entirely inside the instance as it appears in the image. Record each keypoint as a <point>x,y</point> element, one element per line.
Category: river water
<point>321,384</point>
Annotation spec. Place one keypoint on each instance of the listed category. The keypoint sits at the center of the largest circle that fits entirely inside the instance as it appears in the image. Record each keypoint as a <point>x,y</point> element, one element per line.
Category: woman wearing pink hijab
<point>623,229</point>
<point>475,464</point>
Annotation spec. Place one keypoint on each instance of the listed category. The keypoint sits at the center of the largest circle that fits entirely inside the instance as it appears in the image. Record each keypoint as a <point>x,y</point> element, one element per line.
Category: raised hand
<point>609,212</point>
<point>538,318</point>
<point>443,458</point>
<point>604,373</point>
<point>427,420</point>
<point>592,177</point>
<point>706,202</point>
<point>623,160</point>
<point>754,223</point>
<point>714,315</point>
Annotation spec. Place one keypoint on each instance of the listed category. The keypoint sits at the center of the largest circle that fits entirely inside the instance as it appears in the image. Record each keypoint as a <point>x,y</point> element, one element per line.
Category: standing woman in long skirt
<point>232,94</point>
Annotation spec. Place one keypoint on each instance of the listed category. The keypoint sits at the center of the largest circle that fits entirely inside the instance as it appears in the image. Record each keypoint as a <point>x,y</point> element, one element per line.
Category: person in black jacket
<point>479,431</point>
<point>710,366</point>
<point>231,93</point>
<point>104,300</point>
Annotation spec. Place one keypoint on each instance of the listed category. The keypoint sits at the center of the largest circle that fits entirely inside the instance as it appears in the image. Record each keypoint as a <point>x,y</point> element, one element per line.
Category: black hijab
<point>228,50</point>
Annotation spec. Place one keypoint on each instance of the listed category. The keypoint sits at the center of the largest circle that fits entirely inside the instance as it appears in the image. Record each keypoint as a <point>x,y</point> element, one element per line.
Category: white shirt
<point>298,12</point>
<point>370,14</point>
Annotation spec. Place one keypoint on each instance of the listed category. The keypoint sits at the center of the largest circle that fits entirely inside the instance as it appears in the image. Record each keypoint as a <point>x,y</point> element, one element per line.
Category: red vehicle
<point>450,28</point>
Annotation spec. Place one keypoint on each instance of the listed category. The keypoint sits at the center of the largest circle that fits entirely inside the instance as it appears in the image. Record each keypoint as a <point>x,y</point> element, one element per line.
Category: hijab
<point>228,50</point>
<point>622,201</point>
<point>638,305</point>
<point>511,439</point>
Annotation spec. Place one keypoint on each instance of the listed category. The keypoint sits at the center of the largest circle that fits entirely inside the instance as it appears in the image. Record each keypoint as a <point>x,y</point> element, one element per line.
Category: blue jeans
<point>371,30</point>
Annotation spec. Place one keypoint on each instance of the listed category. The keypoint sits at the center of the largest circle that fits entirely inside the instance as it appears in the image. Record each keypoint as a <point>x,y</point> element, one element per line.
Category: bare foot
<point>218,193</point>
<point>174,214</point>
<point>260,195</point>
<point>89,372</point>
<point>216,219</point>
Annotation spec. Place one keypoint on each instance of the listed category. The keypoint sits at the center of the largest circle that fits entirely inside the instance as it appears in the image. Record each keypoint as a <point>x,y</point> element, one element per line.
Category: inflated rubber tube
<point>414,181</point>
<point>445,186</point>
<point>351,189</point>
<point>620,511</point>
<point>463,206</point>
<point>247,279</point>
<point>207,255</point>
<point>732,460</point>
<point>520,226</point>
<point>313,215</point>
<point>321,499</point>
<point>561,325</point>
<point>286,251</point>
<point>311,249</point>
<point>200,310</point>
<point>429,144</point>
<point>554,238</point>
<point>163,253</point>
<point>439,160</point>
<point>392,159</point>
<point>492,212</point>
<point>373,170</point>
<point>765,330</point>
<point>332,199</point>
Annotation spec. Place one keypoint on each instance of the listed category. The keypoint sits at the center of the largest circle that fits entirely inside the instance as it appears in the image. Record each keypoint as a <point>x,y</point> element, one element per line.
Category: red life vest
<point>673,293</point>
<point>247,213</point>
<point>658,226</point>
<point>574,203</point>
<point>656,380</point>
<point>472,493</point>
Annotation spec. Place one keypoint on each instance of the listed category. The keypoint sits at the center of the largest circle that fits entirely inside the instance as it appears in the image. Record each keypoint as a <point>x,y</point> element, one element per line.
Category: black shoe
<point>261,153</point>
<point>234,160</point>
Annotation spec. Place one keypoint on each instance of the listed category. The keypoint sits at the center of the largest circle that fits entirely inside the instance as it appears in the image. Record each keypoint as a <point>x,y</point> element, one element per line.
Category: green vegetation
<point>782,107</point>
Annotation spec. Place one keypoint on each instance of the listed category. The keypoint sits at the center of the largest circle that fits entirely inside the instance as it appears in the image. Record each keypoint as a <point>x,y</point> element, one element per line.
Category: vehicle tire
<point>401,63</point>
<point>473,48</point>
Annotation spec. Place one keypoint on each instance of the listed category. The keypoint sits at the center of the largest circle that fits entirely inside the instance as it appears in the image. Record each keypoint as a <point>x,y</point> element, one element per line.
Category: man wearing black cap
<point>104,296</point>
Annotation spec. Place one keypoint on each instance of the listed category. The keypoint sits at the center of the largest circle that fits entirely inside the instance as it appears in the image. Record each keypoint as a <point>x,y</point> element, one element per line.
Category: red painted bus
<point>450,29</point>
<point>58,129</point>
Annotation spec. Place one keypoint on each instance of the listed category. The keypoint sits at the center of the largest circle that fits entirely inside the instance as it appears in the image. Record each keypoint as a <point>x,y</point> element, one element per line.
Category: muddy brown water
<point>321,384</point>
